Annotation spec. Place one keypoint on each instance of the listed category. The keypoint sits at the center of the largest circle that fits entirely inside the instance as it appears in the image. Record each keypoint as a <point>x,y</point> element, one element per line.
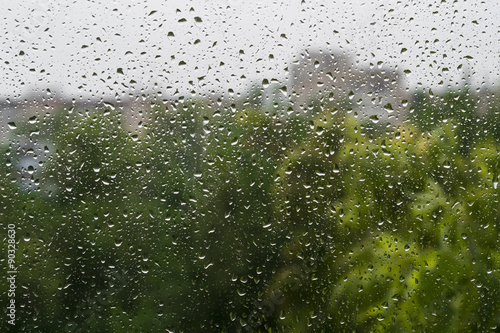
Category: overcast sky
<point>111,48</point>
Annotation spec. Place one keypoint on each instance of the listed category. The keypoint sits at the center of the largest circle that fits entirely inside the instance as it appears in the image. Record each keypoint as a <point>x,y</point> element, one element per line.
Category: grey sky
<point>77,47</point>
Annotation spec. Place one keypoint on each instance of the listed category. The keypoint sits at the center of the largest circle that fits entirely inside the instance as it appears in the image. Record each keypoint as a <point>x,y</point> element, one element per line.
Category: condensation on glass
<point>256,166</point>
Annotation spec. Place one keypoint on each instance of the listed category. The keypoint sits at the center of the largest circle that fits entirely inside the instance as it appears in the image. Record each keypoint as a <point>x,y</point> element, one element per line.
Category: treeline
<point>243,218</point>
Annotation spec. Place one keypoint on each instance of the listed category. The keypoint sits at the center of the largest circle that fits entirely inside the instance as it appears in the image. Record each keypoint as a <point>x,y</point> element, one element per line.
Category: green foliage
<point>214,219</point>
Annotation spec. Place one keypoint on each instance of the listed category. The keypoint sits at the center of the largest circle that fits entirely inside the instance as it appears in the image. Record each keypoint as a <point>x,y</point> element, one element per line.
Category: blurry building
<point>374,92</point>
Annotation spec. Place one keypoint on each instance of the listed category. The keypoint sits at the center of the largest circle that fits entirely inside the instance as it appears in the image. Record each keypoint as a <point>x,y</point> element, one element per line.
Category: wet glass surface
<point>256,166</point>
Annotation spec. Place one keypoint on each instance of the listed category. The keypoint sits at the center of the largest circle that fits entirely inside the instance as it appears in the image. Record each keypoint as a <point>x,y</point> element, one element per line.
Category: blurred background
<point>251,167</point>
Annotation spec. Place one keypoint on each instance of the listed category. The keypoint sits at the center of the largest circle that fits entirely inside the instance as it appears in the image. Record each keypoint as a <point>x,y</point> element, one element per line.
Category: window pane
<point>255,166</point>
